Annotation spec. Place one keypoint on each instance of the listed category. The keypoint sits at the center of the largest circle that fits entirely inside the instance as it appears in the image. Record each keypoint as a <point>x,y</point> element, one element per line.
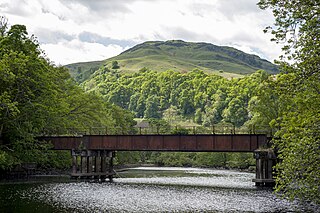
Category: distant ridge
<point>180,56</point>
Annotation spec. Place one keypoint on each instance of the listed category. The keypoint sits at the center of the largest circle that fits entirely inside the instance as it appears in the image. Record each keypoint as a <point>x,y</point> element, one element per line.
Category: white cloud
<point>113,24</point>
<point>66,52</point>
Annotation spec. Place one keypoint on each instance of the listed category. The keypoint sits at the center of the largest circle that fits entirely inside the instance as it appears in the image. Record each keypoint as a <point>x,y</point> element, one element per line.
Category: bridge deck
<point>178,143</point>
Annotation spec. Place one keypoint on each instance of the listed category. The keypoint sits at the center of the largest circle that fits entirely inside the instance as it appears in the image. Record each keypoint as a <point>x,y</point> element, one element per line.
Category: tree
<point>115,65</point>
<point>152,107</point>
<point>120,96</point>
<point>29,88</point>
<point>198,116</point>
<point>170,114</point>
<point>212,116</point>
<point>236,112</point>
<point>3,25</point>
<point>39,98</point>
<point>186,102</point>
<point>297,26</point>
<point>160,125</point>
<point>124,123</point>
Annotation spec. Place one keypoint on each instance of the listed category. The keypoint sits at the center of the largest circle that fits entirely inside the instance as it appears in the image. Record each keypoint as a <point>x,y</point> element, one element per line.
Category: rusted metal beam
<point>183,143</point>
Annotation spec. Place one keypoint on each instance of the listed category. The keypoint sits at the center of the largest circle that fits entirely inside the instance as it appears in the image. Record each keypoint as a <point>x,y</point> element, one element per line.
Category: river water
<point>149,189</point>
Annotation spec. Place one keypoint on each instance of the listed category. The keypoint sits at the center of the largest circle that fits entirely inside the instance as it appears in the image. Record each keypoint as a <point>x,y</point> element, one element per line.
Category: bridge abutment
<point>92,164</point>
<point>265,161</point>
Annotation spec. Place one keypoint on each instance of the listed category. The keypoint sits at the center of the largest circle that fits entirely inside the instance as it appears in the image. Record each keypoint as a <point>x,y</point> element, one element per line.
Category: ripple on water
<point>212,178</point>
<point>122,197</point>
<point>224,182</point>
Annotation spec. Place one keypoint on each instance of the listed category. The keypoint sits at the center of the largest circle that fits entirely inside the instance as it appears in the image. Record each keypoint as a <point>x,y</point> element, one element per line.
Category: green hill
<point>180,56</point>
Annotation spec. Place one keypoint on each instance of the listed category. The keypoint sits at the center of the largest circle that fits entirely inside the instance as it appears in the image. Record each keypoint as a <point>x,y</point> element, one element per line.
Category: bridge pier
<point>265,161</point>
<point>92,164</point>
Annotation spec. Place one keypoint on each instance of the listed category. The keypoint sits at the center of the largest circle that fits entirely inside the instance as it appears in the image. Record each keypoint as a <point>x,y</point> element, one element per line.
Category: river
<point>148,189</point>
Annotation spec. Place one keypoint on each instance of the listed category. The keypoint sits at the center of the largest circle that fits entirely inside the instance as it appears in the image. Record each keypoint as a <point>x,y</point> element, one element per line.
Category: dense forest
<point>38,98</point>
<point>207,99</point>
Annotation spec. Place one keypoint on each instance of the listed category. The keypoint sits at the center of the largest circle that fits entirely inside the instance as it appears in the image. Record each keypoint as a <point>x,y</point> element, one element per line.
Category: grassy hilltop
<point>179,56</point>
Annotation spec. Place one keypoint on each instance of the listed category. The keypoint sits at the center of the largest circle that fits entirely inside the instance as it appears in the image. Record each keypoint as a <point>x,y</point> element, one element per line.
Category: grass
<point>179,56</point>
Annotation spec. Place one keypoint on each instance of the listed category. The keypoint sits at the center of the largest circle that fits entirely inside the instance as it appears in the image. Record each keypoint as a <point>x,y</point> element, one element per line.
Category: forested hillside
<point>207,99</point>
<point>178,56</point>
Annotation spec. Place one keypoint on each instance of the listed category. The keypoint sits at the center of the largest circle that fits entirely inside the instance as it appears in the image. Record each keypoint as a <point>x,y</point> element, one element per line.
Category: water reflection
<point>191,177</point>
<point>186,190</point>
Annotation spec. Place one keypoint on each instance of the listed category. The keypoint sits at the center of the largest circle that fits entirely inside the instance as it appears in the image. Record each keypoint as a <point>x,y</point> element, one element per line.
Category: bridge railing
<point>177,130</point>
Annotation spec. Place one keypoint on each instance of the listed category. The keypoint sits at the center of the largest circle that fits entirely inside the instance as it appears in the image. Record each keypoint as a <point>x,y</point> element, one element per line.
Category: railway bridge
<point>93,154</point>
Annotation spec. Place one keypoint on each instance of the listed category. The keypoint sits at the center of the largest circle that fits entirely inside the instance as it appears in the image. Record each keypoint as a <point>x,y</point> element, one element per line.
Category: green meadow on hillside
<point>179,56</point>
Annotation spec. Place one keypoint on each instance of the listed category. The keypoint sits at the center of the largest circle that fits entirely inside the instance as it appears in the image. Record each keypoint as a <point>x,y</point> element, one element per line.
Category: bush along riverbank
<point>241,161</point>
<point>123,160</point>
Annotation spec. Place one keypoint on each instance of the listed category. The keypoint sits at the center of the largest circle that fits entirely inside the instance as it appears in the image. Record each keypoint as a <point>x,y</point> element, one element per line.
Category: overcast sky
<point>85,30</point>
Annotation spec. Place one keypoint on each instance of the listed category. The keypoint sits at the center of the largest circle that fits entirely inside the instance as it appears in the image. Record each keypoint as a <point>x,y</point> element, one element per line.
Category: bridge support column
<point>92,164</point>
<point>265,160</point>
<point>111,156</point>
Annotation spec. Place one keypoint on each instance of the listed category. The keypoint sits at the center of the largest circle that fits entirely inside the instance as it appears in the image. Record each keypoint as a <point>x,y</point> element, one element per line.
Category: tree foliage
<point>39,98</point>
<point>115,65</point>
<point>208,98</point>
<point>203,159</point>
<point>296,95</point>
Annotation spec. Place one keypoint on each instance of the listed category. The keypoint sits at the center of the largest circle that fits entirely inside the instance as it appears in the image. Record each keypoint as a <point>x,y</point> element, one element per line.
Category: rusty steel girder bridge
<point>93,154</point>
<point>176,143</point>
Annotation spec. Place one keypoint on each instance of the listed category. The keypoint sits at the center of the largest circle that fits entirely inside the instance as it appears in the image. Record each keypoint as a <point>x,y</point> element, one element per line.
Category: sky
<point>72,31</point>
